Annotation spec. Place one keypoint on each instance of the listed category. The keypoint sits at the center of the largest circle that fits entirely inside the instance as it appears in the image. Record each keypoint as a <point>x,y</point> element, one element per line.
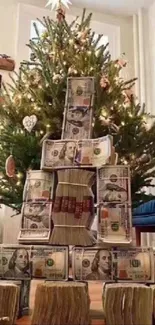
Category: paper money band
<point>69,226</point>
<point>74,184</point>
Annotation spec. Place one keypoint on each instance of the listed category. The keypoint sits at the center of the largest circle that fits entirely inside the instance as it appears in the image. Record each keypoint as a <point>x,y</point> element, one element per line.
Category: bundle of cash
<point>26,262</point>
<point>15,262</point>
<point>96,152</point>
<point>127,304</point>
<point>114,205</point>
<point>103,264</point>
<point>38,186</point>
<point>115,223</point>
<point>92,264</point>
<point>37,207</point>
<point>61,303</point>
<point>134,264</point>
<point>36,222</point>
<point>77,123</point>
<point>9,306</point>
<point>80,91</point>
<point>77,153</point>
<point>24,288</point>
<point>50,262</point>
<point>113,184</point>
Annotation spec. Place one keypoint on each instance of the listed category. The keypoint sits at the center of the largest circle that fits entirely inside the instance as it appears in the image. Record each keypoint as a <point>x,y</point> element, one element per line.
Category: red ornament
<point>10,167</point>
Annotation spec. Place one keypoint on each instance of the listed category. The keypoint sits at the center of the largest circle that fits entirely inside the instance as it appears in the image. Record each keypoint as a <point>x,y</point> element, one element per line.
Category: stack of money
<point>134,264</point>
<point>153,290</point>
<point>69,304</point>
<point>4,320</point>
<point>92,264</point>
<point>114,205</point>
<point>73,211</point>
<point>9,296</point>
<point>21,263</point>
<point>37,208</point>
<point>78,114</point>
<point>24,288</point>
<point>127,304</point>
<point>76,153</point>
<point>50,262</point>
<point>103,264</point>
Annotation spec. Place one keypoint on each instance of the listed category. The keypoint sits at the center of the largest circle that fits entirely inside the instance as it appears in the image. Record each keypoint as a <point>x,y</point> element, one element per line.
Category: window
<point>27,15</point>
<point>39,26</point>
<point>103,41</point>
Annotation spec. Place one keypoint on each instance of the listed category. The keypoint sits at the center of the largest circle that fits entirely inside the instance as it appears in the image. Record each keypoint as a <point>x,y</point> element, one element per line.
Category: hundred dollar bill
<point>16,262</point>
<point>38,186</point>
<point>115,223</point>
<point>94,152</point>
<point>36,221</point>
<point>102,149</point>
<point>80,91</point>
<point>77,123</point>
<point>50,262</point>
<point>69,153</point>
<point>36,215</point>
<point>92,264</point>
<point>135,264</point>
<point>113,184</point>
<point>58,153</point>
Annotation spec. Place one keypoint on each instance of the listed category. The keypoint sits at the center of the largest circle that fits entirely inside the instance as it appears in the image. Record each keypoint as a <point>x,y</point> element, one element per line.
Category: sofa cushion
<point>145,209</point>
<point>144,221</point>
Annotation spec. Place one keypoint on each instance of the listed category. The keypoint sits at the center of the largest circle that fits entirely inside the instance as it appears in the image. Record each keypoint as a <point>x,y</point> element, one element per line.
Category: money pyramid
<point>79,176</point>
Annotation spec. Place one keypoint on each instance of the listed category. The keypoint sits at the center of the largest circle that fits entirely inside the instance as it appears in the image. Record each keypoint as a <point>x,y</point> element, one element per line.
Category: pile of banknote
<point>24,288</point>
<point>96,264</point>
<point>9,306</point>
<point>37,207</point>
<point>77,153</point>
<point>127,304</point>
<point>27,262</point>
<point>114,204</point>
<point>78,116</point>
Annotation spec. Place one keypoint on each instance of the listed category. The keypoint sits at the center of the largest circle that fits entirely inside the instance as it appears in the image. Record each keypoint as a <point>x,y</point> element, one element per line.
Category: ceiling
<point>123,7</point>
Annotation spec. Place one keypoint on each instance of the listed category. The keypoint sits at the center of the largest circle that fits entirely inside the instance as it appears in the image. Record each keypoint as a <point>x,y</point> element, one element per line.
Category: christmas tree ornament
<point>55,4</point>
<point>60,15</point>
<point>10,167</point>
<point>29,122</point>
<point>145,158</point>
<point>104,82</point>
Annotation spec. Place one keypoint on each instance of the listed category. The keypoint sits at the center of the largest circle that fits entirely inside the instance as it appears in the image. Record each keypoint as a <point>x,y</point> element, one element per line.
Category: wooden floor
<point>95,291</point>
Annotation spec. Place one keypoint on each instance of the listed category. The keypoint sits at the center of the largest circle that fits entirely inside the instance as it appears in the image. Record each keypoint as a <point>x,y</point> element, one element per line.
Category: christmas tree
<point>32,105</point>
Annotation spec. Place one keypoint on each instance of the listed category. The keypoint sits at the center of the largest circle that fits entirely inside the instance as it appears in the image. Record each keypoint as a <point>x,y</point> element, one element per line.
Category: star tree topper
<point>55,4</point>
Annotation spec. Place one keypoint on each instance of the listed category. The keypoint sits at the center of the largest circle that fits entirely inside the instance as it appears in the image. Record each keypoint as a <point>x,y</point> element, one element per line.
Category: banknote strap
<point>82,256</point>
<point>74,184</point>
<point>69,226</point>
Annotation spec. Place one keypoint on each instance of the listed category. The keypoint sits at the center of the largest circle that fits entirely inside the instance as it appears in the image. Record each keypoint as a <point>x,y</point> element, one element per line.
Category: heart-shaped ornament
<point>29,122</point>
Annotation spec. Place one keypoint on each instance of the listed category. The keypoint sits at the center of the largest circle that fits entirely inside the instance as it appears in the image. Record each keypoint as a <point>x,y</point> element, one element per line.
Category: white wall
<point>150,54</point>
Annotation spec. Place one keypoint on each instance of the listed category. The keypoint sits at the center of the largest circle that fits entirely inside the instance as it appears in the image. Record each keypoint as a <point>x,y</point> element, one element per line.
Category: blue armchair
<point>144,219</point>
